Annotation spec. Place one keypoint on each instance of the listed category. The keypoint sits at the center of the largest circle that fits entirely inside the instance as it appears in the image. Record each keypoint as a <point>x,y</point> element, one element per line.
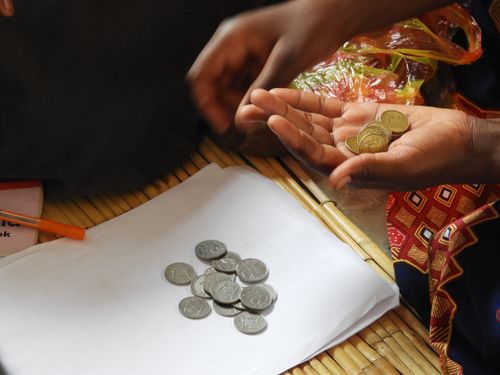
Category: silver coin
<point>272,291</point>
<point>194,307</point>
<point>180,273</point>
<point>209,270</point>
<point>250,323</point>
<point>252,270</point>
<point>225,291</point>
<point>256,297</point>
<point>225,310</point>
<point>227,263</point>
<point>210,249</point>
<point>197,287</point>
<point>212,278</point>
<point>238,305</point>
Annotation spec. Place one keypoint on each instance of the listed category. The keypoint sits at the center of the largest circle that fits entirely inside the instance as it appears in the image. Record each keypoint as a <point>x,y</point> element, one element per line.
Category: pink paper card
<point>24,197</point>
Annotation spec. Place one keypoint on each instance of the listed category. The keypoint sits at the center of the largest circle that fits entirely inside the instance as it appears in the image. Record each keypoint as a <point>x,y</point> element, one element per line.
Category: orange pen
<point>44,225</point>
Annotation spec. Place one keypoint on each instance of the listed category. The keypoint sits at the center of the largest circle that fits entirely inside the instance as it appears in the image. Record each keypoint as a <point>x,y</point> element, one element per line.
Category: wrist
<point>485,146</point>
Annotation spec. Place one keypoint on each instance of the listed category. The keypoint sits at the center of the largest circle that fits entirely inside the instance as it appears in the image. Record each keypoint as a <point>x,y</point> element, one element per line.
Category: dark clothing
<point>480,81</point>
<point>92,93</point>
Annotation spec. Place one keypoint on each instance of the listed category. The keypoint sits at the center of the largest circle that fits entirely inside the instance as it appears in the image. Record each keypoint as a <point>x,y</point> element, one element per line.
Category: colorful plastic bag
<point>390,65</point>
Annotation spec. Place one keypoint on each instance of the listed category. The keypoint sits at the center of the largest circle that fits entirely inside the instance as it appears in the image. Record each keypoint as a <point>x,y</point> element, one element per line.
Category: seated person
<point>93,96</point>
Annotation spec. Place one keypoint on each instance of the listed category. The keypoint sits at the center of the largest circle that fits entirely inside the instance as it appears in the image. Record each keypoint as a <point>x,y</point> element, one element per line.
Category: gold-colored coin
<point>351,144</point>
<point>381,125</point>
<point>396,121</point>
<point>372,139</point>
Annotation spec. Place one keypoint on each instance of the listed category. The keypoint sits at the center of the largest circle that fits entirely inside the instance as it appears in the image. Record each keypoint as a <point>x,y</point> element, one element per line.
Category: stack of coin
<point>220,283</point>
<point>375,136</point>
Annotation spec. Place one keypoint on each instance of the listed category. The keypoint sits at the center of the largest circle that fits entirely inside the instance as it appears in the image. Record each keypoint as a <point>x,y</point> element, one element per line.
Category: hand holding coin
<point>426,146</point>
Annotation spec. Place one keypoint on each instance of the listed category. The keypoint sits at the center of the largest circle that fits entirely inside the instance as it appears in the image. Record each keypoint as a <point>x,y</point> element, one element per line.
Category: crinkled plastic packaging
<point>390,65</point>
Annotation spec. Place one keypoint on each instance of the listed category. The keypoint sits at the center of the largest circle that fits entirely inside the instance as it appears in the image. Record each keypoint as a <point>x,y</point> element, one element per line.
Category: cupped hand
<point>6,8</point>
<point>264,48</point>
<point>438,148</point>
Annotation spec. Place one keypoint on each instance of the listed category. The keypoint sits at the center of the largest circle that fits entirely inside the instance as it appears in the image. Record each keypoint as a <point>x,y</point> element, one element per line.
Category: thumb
<point>279,70</point>
<point>370,171</point>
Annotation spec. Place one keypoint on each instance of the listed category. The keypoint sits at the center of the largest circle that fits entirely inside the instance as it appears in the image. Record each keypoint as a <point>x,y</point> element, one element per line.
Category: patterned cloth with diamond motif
<point>447,262</point>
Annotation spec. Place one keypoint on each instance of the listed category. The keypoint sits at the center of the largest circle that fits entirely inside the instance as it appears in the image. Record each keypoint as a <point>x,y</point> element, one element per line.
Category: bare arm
<point>268,47</point>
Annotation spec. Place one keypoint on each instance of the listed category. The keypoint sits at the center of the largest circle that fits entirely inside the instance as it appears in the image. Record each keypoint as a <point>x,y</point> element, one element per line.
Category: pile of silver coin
<point>246,300</point>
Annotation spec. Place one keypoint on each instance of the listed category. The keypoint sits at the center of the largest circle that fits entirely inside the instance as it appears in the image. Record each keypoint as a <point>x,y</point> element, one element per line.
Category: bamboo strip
<point>372,370</point>
<point>384,350</point>
<point>351,230</point>
<point>198,160</point>
<point>101,205</point>
<point>150,191</point>
<point>408,345</point>
<point>141,197</point>
<point>367,351</point>
<point>355,355</point>
<point>319,367</point>
<point>52,212</point>
<point>181,174</point>
<point>298,371</point>
<point>344,360</point>
<point>120,202</point>
<point>160,185</point>
<point>380,362</point>
<point>415,348</point>
<point>171,180</point>
<point>416,325</point>
<point>416,340</point>
<point>383,334</point>
<point>190,168</point>
<point>403,356</point>
<point>130,199</point>
<point>309,370</point>
<point>92,213</point>
<point>117,205</point>
<point>210,155</point>
<point>385,367</point>
<point>70,214</point>
<point>221,154</point>
<point>330,364</point>
<point>72,207</point>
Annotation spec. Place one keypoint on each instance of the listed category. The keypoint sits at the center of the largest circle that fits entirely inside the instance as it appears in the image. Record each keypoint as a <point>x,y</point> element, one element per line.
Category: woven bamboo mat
<point>395,344</point>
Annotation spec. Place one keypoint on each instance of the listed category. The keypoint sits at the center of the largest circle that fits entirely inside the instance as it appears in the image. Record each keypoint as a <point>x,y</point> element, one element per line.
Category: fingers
<point>212,77</point>
<point>302,120</point>
<point>6,8</point>
<point>304,147</point>
<point>380,171</point>
<point>309,102</point>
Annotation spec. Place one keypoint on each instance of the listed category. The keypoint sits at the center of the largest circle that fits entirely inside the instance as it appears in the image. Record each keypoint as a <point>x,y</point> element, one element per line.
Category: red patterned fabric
<point>415,217</point>
<point>427,230</point>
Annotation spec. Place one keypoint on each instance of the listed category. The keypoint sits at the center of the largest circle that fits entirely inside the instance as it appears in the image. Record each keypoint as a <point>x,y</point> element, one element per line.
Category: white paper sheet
<point>102,306</point>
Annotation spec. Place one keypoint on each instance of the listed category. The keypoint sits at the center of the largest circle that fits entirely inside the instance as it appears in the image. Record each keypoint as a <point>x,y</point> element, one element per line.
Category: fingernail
<point>343,182</point>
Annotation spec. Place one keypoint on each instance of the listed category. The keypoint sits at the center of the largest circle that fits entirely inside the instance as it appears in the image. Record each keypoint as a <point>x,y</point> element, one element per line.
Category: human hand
<point>441,146</point>
<point>262,48</point>
<point>6,8</point>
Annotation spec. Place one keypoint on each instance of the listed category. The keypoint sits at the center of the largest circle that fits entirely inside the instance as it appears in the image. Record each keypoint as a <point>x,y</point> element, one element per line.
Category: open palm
<point>436,149</point>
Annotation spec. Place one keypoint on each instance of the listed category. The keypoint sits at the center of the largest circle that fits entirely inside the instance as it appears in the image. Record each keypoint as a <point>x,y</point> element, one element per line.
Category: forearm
<point>369,15</point>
